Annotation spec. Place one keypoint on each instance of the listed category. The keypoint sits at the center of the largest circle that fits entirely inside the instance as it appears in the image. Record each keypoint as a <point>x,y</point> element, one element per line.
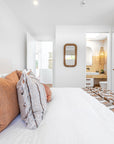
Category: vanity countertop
<point>97,76</point>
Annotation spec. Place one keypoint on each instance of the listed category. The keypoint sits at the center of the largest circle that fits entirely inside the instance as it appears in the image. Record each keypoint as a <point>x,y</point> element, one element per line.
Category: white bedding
<point>73,117</point>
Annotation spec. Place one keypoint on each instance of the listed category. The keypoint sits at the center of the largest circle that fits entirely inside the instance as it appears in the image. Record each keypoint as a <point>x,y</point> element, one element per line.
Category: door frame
<point>109,58</point>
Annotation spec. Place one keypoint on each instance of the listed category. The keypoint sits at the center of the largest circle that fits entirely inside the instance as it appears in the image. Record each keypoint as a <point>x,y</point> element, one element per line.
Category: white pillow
<point>32,100</point>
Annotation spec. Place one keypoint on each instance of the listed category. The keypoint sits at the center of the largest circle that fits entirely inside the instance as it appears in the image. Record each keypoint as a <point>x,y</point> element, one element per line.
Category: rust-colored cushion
<point>48,92</point>
<point>13,77</point>
<point>19,73</point>
<point>9,108</point>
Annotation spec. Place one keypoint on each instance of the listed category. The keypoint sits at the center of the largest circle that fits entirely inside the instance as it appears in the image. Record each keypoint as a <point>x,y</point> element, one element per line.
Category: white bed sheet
<point>73,117</point>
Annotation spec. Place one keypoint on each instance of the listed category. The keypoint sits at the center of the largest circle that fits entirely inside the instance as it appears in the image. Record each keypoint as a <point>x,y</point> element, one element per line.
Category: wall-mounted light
<point>35,2</point>
<point>83,3</point>
<point>102,56</point>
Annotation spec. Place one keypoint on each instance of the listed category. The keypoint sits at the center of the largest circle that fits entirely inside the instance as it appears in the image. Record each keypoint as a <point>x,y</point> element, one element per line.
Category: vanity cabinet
<point>89,82</point>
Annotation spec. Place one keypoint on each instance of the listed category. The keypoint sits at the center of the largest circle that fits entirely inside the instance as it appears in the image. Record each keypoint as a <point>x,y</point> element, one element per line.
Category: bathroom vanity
<point>93,78</point>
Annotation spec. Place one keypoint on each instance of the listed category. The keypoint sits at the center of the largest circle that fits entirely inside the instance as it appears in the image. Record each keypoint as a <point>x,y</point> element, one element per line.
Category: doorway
<point>44,62</point>
<point>40,59</point>
<point>98,60</point>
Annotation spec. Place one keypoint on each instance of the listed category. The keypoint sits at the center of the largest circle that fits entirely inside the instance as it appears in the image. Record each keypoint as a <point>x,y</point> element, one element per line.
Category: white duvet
<point>73,117</point>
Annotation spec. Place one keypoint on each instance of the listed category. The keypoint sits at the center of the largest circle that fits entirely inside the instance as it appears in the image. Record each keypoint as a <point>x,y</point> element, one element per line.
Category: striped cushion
<point>41,90</point>
<point>32,100</point>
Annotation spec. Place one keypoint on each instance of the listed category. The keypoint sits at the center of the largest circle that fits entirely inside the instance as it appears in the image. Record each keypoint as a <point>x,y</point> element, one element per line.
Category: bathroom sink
<point>92,73</point>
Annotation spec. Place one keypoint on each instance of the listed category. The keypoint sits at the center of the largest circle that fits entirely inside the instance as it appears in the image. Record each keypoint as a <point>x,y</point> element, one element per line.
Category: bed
<point>72,117</point>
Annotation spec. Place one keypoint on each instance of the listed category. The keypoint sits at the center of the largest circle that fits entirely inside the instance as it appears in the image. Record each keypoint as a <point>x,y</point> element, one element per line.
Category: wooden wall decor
<point>70,55</point>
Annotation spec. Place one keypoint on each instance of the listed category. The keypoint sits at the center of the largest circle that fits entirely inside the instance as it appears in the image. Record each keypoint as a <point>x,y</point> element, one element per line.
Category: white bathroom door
<point>113,61</point>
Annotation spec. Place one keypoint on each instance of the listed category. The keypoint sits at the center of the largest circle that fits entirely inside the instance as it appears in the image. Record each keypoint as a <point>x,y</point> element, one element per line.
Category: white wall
<point>105,48</point>
<point>113,61</point>
<point>12,41</point>
<point>72,77</point>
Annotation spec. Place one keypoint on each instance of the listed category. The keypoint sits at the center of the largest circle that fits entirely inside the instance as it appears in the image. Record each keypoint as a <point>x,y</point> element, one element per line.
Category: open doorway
<point>97,60</point>
<point>44,62</point>
<point>40,59</point>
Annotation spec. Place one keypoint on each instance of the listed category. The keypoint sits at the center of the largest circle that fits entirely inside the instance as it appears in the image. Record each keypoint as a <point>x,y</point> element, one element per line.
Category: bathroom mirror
<point>70,55</point>
<point>89,54</point>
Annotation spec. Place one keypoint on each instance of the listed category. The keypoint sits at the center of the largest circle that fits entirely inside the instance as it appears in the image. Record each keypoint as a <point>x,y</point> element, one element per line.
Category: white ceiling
<point>41,20</point>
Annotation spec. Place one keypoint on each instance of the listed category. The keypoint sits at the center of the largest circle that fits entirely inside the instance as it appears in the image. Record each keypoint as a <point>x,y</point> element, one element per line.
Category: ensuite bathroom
<point>96,60</point>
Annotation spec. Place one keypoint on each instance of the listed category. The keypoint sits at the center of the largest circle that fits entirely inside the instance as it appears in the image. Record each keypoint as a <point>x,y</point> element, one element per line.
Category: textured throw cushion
<point>47,89</point>
<point>9,108</point>
<point>48,92</point>
<point>19,73</point>
<point>32,100</point>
